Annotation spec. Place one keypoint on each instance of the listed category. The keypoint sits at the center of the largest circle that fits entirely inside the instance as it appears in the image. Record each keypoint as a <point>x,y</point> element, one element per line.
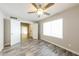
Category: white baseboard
<point>62,47</point>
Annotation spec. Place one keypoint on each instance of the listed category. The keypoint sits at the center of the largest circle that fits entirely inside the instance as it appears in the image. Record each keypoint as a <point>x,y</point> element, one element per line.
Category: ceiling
<point>20,10</point>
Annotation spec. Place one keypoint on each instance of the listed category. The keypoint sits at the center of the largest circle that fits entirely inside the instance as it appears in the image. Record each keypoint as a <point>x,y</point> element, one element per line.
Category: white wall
<point>70,39</point>
<point>7,31</point>
<point>1,31</point>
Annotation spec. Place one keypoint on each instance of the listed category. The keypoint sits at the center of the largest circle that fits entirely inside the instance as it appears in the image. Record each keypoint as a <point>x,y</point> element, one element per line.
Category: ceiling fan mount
<point>41,10</point>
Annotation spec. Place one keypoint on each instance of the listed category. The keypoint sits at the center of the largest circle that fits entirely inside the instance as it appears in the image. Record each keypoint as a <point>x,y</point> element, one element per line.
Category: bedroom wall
<point>7,32</point>
<point>70,39</point>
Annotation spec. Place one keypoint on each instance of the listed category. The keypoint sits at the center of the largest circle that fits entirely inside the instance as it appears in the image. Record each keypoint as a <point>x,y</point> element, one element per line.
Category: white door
<point>15,31</point>
<point>35,31</point>
<point>1,32</point>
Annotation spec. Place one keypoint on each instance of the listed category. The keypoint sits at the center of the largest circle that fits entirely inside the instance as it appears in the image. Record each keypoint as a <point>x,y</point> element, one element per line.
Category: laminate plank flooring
<point>35,48</point>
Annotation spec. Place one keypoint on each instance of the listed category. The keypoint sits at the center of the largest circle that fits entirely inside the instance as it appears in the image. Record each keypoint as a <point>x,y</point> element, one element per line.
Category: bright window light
<point>24,30</point>
<point>53,28</point>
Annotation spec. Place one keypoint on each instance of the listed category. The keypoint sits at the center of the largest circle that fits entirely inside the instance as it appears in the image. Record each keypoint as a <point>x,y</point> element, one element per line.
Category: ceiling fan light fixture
<point>40,11</point>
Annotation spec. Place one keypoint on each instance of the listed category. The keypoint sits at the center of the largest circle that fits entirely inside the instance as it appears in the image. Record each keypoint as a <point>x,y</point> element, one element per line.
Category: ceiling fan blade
<point>48,5</point>
<point>35,5</point>
<point>46,13</point>
<point>31,12</point>
<point>39,5</point>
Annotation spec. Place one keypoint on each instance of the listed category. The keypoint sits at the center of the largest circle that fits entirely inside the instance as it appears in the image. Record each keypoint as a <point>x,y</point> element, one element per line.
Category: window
<point>53,28</point>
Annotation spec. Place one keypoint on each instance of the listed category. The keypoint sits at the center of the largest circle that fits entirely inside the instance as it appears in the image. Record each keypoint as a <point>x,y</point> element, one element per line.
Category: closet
<point>11,31</point>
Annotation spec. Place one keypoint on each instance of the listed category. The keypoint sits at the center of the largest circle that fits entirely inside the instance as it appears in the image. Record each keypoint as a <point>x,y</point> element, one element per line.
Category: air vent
<point>13,17</point>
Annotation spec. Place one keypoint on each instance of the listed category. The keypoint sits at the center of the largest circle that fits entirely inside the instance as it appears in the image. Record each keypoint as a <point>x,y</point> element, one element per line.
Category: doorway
<point>24,32</point>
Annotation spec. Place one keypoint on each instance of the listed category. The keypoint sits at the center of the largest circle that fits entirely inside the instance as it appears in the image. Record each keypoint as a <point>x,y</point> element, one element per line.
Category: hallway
<point>35,48</point>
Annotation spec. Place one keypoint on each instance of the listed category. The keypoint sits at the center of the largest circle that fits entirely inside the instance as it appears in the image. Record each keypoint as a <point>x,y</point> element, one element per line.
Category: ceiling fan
<point>41,10</point>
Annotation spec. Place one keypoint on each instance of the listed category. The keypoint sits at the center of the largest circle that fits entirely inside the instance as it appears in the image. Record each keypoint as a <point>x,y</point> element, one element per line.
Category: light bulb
<point>40,11</point>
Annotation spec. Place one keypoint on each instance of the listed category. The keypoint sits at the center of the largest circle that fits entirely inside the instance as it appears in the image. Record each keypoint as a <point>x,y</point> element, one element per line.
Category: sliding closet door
<point>15,31</point>
<point>1,31</point>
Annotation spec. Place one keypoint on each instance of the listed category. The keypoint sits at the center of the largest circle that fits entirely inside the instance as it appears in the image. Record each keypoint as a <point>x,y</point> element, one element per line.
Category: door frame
<point>22,23</point>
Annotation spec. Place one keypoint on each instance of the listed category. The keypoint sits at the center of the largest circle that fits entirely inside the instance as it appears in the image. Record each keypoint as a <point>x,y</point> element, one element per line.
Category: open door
<point>24,32</point>
<point>35,31</point>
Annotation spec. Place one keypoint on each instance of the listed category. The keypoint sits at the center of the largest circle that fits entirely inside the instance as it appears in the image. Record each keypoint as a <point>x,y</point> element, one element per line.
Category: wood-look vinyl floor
<point>35,48</point>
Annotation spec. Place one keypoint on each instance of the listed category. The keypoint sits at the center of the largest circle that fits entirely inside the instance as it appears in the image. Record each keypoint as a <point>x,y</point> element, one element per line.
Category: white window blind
<point>53,28</point>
